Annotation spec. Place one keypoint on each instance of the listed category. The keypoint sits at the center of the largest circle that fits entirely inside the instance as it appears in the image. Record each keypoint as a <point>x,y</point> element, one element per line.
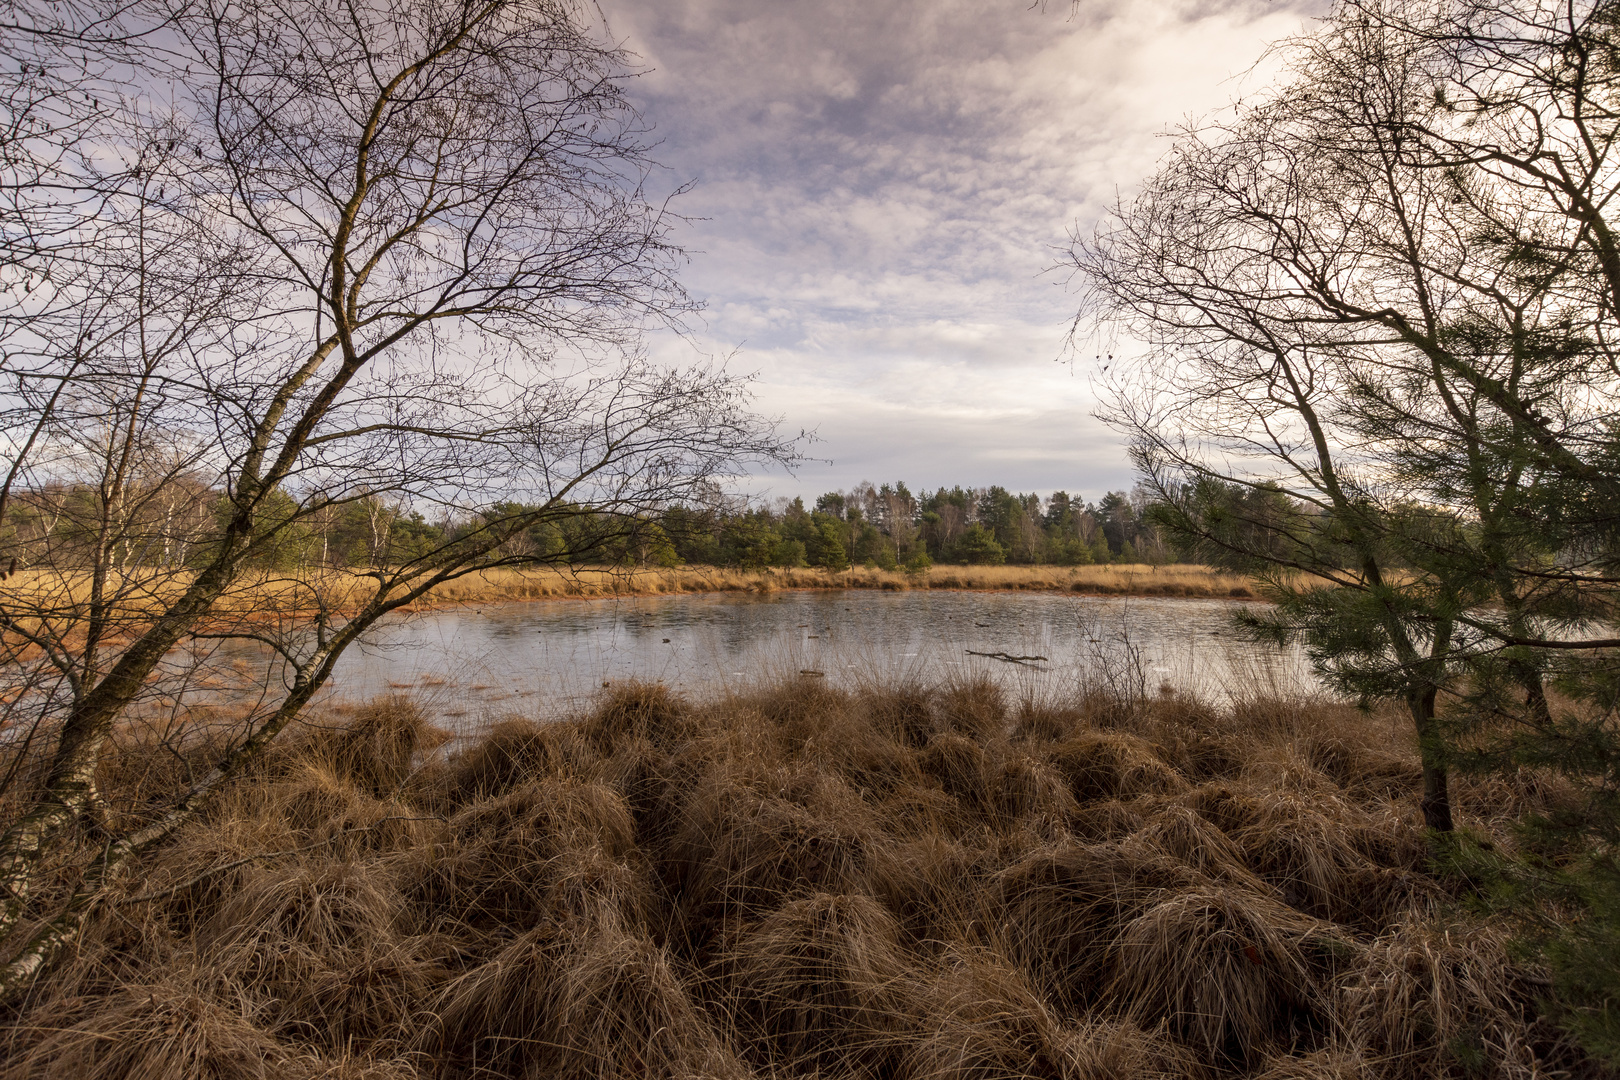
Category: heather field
<point>795,881</point>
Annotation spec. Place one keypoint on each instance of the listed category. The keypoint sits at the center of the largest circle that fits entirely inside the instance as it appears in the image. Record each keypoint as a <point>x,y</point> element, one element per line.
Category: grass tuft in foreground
<point>917,882</point>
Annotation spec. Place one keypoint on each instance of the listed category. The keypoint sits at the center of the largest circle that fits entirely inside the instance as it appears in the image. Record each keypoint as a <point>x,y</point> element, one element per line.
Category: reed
<point>794,880</point>
<point>290,592</point>
<point>1178,580</point>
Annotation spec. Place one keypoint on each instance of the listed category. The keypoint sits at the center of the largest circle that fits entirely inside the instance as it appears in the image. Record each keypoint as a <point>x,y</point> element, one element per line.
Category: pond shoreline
<point>480,657</point>
<point>512,586</point>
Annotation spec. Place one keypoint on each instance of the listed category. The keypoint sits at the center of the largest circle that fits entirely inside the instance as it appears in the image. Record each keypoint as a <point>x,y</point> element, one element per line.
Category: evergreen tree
<point>1380,360</point>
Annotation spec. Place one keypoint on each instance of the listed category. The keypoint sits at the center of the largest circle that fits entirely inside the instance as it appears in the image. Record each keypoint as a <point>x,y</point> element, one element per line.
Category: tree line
<point>891,527</point>
<point>174,523</point>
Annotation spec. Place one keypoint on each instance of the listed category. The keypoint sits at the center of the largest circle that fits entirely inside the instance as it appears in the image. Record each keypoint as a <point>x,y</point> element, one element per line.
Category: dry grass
<point>496,585</point>
<point>919,883</point>
<point>293,594</point>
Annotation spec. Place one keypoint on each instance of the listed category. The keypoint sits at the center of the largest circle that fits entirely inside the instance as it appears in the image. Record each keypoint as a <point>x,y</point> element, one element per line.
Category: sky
<point>883,195</point>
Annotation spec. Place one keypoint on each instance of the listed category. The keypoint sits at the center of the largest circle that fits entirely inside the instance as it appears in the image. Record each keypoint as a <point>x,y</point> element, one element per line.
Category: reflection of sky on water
<point>544,657</point>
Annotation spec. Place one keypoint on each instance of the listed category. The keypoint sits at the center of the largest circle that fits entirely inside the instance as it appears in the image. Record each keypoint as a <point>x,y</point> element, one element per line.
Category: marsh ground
<point>797,880</point>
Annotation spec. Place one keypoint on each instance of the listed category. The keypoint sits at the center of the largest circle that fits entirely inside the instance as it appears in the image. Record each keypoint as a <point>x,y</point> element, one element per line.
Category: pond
<point>471,664</point>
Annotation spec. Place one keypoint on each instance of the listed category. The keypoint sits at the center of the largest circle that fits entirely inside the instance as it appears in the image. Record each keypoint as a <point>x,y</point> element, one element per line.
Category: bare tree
<point>1383,294</point>
<point>393,253</point>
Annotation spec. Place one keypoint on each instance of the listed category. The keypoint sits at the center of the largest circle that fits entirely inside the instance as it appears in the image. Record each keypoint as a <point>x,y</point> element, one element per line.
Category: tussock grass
<point>175,1029</point>
<point>1229,971</point>
<point>822,982</point>
<point>913,882</point>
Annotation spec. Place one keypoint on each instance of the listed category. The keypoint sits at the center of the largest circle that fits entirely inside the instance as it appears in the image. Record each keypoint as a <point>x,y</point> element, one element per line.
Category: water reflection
<point>547,657</point>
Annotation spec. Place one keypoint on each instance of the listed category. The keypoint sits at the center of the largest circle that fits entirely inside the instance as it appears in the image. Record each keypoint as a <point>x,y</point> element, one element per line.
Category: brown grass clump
<point>172,1030</point>
<point>1042,723</point>
<point>854,744</point>
<point>1030,793</point>
<point>930,884</point>
<point>821,982</point>
<point>637,711</point>
<point>1365,771</point>
<point>1329,1064</point>
<point>1229,808</point>
<point>1200,756</point>
<point>648,779</point>
<point>514,751</point>
<point>143,765</point>
<point>1497,800</point>
<point>620,1008</point>
<point>490,1018</point>
<point>1119,1050</point>
<point>1284,770</point>
<point>321,948</point>
<point>1100,822</point>
<point>536,853</point>
<point>346,1066</point>
<point>912,882</point>
<point>980,1017</point>
<point>215,858</point>
<point>377,747</point>
<point>976,709</point>
<point>1058,910</point>
<point>923,811</point>
<point>1113,765</point>
<point>1446,1000</point>
<point>905,714</point>
<point>1229,971</point>
<point>329,813</point>
<point>1189,839</point>
<point>961,768</point>
<point>311,908</point>
<point>604,1003</point>
<point>740,847</point>
<point>1325,856</point>
<point>796,701</point>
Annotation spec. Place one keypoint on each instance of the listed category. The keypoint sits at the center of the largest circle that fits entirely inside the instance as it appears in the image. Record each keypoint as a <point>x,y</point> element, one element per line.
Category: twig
<point>1008,658</point>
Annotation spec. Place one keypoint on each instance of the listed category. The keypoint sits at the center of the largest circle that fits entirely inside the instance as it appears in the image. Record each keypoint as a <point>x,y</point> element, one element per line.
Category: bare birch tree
<point>397,252</point>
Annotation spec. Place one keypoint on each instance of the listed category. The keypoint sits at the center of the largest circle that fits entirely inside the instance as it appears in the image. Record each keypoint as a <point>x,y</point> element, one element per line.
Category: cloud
<point>883,190</point>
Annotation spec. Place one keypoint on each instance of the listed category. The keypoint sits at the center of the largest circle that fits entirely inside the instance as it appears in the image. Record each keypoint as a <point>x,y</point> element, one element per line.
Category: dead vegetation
<point>1124,580</point>
<point>348,589</point>
<point>914,883</point>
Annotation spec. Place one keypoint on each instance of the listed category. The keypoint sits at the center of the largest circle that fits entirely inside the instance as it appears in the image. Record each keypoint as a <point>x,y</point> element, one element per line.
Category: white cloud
<point>883,189</point>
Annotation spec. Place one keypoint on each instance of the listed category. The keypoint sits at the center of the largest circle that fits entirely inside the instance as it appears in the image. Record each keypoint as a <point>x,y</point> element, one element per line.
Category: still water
<point>475,663</point>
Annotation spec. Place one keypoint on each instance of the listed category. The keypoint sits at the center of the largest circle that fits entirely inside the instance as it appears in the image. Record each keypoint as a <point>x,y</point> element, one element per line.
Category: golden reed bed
<point>269,593</point>
<point>1138,580</point>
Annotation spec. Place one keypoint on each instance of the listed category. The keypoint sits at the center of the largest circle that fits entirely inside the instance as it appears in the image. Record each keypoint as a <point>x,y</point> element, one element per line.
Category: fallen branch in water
<point>1008,658</point>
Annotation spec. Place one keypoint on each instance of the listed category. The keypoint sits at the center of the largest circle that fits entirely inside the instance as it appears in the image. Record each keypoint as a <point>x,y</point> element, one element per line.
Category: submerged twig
<point>1008,658</point>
